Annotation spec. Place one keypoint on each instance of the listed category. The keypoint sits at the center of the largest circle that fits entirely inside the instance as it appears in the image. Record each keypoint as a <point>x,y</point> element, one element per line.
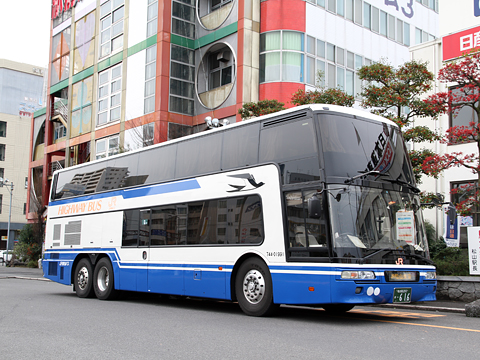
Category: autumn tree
<point>396,94</point>
<point>262,107</point>
<point>464,94</point>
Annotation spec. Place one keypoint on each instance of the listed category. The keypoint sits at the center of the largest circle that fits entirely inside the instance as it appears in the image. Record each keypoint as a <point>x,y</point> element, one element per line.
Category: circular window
<point>216,75</point>
<point>212,14</point>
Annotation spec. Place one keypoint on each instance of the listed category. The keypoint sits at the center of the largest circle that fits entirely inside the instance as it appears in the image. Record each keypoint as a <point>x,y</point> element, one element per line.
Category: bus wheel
<point>337,308</point>
<point>103,280</point>
<point>253,286</point>
<point>83,279</point>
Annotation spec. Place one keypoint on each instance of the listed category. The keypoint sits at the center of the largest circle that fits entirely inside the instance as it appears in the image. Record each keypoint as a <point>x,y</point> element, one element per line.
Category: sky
<point>25,31</point>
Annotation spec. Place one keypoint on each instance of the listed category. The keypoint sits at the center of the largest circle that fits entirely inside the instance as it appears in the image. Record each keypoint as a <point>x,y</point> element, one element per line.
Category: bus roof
<point>311,107</point>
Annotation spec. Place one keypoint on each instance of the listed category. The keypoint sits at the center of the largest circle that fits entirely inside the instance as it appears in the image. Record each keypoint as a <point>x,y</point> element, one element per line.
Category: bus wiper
<point>362,260</point>
<point>401,182</point>
<point>363,174</point>
<point>420,257</point>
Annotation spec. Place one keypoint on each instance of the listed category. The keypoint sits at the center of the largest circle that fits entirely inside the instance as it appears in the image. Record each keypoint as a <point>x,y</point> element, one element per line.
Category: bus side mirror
<point>314,208</point>
<point>452,213</point>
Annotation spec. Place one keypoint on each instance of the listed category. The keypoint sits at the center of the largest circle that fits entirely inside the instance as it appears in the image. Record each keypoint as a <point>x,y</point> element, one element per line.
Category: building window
<point>1,203</point>
<point>150,72</point>
<point>109,95</point>
<point>182,80</point>
<point>59,132</point>
<point>2,152</point>
<point>82,97</point>
<point>84,43</point>
<point>3,129</point>
<point>367,15</point>
<point>152,15</point>
<point>139,137</point>
<point>60,56</point>
<point>285,65</point>
<point>26,182</point>
<point>217,4</point>
<point>183,18</point>
<point>112,14</point>
<point>107,147</point>
<point>64,15</point>
<point>24,208</point>
<point>220,68</point>
<point>2,173</point>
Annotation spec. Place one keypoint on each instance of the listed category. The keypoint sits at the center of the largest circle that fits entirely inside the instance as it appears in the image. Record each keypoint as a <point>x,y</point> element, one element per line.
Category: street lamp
<point>6,183</point>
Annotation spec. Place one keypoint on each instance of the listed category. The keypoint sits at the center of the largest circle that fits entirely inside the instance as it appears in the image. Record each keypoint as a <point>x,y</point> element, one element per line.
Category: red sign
<point>60,6</point>
<point>456,45</point>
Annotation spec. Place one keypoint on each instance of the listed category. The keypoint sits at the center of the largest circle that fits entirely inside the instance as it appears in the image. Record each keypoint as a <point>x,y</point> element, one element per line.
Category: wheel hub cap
<point>254,286</point>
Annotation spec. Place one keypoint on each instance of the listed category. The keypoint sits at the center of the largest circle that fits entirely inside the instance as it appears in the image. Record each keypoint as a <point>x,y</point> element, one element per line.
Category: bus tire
<point>253,287</point>
<point>103,280</point>
<point>84,278</point>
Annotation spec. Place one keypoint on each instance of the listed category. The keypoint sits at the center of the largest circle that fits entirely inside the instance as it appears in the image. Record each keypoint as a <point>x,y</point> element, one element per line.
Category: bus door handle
<point>144,255</point>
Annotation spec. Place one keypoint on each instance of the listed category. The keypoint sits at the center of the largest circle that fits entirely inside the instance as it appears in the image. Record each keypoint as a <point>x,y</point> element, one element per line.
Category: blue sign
<point>476,7</point>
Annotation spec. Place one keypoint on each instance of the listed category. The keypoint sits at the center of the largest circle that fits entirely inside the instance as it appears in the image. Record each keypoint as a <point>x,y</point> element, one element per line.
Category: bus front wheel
<point>103,280</point>
<point>84,278</point>
<point>253,286</point>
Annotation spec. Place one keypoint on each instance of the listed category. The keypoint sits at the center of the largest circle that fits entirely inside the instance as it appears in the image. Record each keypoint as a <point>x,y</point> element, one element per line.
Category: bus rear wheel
<point>253,287</point>
<point>84,278</point>
<point>103,280</point>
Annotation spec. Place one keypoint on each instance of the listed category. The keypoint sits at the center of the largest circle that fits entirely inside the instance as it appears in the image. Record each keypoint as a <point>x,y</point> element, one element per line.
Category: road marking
<point>425,325</point>
<point>410,315</point>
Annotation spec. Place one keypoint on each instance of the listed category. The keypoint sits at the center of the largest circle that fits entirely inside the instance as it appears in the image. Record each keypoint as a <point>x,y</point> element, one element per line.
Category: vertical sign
<point>452,233</point>
<point>474,249</point>
<point>406,226</point>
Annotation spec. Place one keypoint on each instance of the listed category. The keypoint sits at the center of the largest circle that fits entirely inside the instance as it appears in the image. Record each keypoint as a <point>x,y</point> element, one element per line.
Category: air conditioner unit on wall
<point>223,56</point>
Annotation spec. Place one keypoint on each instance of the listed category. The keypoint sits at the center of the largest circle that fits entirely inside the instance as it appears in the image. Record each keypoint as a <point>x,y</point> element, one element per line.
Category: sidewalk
<point>439,305</point>
<point>21,273</point>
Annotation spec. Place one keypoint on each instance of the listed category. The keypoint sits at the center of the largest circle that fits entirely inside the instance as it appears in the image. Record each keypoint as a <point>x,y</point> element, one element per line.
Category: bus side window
<point>130,227</point>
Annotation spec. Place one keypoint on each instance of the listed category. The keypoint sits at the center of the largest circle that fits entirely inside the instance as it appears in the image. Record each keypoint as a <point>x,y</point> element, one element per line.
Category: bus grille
<point>52,269</point>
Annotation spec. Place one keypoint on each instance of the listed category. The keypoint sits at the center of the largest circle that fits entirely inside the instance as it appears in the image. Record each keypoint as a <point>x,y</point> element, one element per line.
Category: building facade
<point>21,94</point>
<point>459,33</point>
<point>126,74</point>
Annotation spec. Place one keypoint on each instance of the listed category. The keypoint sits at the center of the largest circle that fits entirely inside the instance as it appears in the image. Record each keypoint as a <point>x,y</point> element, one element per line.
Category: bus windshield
<point>365,220</point>
<point>352,146</point>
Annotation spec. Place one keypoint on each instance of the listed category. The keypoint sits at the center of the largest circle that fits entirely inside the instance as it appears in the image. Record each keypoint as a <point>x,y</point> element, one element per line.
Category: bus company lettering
<point>80,208</point>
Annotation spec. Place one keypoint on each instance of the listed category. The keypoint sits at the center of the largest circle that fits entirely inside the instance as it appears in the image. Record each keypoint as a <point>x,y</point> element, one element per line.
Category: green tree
<point>28,249</point>
<point>263,107</point>
<point>397,94</point>
<point>322,95</point>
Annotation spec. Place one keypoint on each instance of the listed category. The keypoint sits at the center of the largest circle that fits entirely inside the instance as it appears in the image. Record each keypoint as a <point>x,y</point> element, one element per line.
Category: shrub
<point>452,261</point>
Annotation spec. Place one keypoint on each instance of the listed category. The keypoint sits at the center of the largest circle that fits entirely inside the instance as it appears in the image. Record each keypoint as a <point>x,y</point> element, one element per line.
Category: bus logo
<point>248,183</point>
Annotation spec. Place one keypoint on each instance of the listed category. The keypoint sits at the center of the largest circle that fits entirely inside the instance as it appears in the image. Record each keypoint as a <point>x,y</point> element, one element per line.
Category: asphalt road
<point>45,320</point>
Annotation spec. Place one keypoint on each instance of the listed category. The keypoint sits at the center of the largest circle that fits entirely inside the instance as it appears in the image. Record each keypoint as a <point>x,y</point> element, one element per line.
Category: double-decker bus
<point>315,205</point>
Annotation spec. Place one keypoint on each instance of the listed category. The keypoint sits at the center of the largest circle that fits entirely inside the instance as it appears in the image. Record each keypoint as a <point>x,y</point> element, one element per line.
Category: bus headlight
<point>358,275</point>
<point>430,275</point>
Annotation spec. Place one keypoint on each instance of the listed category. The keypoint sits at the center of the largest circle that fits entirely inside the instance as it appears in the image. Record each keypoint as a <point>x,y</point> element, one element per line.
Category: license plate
<point>402,295</point>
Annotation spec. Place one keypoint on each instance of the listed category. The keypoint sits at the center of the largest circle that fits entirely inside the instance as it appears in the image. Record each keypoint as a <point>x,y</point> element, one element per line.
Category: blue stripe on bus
<point>136,192</point>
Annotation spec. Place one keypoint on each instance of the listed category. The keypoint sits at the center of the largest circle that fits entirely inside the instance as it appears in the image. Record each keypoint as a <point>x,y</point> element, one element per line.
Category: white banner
<point>474,249</point>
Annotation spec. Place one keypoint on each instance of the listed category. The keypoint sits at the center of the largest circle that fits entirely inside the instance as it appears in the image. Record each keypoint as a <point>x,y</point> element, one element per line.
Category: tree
<point>263,107</point>
<point>396,94</point>
<point>465,73</point>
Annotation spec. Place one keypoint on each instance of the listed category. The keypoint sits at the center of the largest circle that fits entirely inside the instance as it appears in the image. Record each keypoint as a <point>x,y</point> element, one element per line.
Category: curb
<point>23,278</point>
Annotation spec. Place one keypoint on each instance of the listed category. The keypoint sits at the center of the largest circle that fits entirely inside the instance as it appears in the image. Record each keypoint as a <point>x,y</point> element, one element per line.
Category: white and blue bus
<point>315,205</point>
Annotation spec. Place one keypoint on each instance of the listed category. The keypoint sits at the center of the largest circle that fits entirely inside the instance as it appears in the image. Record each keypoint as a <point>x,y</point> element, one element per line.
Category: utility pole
<point>5,182</point>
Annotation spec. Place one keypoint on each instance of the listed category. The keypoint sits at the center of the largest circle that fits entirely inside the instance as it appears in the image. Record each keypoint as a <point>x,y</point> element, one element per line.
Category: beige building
<point>21,94</point>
